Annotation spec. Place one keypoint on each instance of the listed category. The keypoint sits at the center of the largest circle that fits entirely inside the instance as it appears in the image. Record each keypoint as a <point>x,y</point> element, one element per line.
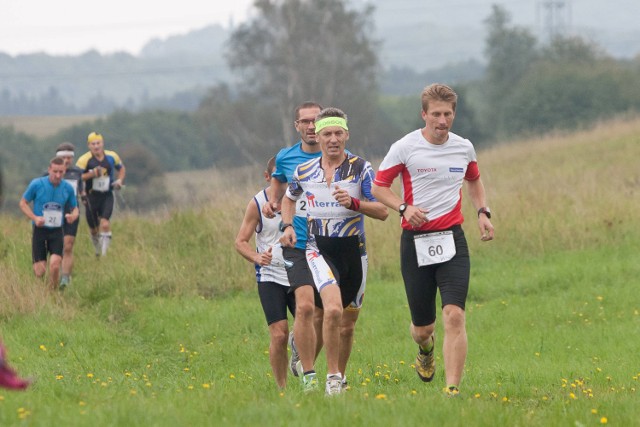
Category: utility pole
<point>554,17</point>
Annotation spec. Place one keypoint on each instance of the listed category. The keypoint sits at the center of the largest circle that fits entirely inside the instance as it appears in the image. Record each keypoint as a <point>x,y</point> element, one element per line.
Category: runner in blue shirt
<point>51,197</point>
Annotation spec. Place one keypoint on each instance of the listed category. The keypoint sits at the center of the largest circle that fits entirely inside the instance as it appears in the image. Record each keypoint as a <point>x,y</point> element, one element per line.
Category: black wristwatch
<point>485,211</point>
<point>284,225</point>
<point>402,208</point>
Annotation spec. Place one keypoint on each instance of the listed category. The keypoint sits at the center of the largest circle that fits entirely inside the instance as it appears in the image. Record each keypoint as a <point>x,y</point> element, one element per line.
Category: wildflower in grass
<point>594,411</point>
<point>61,344</point>
<point>604,420</point>
<point>42,347</point>
<point>186,369</point>
<point>381,396</point>
<point>282,394</point>
<point>598,370</point>
<point>232,376</point>
<point>494,394</point>
<point>81,403</point>
<point>89,375</point>
<point>190,387</point>
<point>573,396</point>
<point>23,413</point>
<point>505,399</point>
<point>59,377</point>
<point>133,392</point>
<point>537,354</point>
<point>545,398</point>
<point>1,398</point>
<point>477,395</point>
<point>127,374</point>
<point>599,298</point>
<point>206,385</point>
<point>414,392</point>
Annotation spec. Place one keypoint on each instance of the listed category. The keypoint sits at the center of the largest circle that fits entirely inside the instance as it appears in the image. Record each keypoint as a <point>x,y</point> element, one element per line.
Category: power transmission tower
<point>554,17</point>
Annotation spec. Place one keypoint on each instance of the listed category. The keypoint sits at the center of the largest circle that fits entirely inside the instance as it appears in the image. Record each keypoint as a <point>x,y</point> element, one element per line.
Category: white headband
<point>64,153</point>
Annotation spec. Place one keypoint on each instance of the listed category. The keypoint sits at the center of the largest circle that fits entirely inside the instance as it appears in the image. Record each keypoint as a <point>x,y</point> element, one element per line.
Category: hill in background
<point>433,42</point>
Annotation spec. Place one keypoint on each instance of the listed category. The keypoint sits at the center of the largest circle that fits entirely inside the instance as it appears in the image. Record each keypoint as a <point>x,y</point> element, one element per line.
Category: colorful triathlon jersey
<point>110,164</point>
<point>49,201</point>
<point>267,235</point>
<point>287,160</point>
<point>432,176</point>
<point>326,217</point>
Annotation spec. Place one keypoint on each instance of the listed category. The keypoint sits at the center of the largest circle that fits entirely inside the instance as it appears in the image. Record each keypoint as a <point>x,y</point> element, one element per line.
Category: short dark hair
<point>56,161</point>
<point>271,165</point>
<point>306,104</point>
<point>66,146</point>
<point>331,112</point>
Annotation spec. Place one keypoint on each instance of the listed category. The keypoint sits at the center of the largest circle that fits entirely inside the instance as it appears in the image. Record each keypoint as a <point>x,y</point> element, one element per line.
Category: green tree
<point>297,50</point>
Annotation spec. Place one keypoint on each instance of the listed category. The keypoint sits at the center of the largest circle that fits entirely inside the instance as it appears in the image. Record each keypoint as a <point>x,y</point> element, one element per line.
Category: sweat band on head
<point>331,121</point>
<point>65,153</point>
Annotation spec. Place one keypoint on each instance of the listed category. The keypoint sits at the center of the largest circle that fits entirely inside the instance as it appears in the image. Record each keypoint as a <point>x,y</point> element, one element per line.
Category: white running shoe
<point>334,385</point>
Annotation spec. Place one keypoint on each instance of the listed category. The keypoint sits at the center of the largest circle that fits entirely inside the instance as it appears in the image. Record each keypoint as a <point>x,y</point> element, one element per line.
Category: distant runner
<point>103,173</point>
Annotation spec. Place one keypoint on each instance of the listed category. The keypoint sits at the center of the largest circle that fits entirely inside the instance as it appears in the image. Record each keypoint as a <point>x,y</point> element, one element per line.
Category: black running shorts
<point>422,283</point>
<point>46,241</point>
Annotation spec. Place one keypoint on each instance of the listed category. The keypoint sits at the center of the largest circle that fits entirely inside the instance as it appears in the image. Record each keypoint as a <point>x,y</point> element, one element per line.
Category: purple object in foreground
<point>8,377</point>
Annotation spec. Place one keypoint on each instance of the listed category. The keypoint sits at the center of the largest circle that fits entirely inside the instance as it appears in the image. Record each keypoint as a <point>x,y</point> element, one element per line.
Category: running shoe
<point>334,385</point>
<point>452,391</point>
<point>426,363</point>
<point>64,282</point>
<point>295,357</point>
<point>345,385</point>
<point>309,382</point>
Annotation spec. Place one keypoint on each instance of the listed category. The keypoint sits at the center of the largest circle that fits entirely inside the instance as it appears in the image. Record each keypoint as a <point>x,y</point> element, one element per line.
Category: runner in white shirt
<point>273,285</point>
<point>433,164</point>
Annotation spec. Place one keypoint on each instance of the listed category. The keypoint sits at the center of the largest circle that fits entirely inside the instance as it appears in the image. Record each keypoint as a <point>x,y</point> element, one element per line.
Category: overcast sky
<point>70,27</point>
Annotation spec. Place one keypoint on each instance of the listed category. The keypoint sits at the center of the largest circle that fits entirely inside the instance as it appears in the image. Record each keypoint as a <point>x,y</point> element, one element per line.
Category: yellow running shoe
<point>426,363</point>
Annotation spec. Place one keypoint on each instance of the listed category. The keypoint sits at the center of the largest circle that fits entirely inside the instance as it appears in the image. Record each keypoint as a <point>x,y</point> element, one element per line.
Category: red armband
<point>355,204</point>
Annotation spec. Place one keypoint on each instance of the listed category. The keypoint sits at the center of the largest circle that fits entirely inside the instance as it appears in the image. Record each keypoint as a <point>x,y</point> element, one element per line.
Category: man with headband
<point>103,173</point>
<point>72,175</point>
<point>337,191</point>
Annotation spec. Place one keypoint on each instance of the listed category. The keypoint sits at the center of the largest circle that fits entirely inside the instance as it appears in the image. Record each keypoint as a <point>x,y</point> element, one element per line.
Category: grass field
<point>168,330</point>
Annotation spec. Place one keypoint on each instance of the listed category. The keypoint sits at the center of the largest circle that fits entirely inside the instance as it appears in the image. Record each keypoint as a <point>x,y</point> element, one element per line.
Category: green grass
<point>168,329</point>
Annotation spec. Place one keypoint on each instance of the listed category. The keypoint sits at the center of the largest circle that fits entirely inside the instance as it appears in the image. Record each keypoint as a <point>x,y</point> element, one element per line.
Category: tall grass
<point>168,329</point>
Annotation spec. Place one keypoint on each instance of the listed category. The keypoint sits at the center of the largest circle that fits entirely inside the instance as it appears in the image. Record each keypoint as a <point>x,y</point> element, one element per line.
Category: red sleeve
<point>384,178</point>
<point>473,172</point>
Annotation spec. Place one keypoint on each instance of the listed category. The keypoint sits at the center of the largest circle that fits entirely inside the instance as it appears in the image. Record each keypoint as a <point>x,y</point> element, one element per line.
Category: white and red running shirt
<point>432,176</point>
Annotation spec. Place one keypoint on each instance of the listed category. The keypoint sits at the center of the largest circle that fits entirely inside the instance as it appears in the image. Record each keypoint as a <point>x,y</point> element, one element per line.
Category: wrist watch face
<point>402,208</point>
